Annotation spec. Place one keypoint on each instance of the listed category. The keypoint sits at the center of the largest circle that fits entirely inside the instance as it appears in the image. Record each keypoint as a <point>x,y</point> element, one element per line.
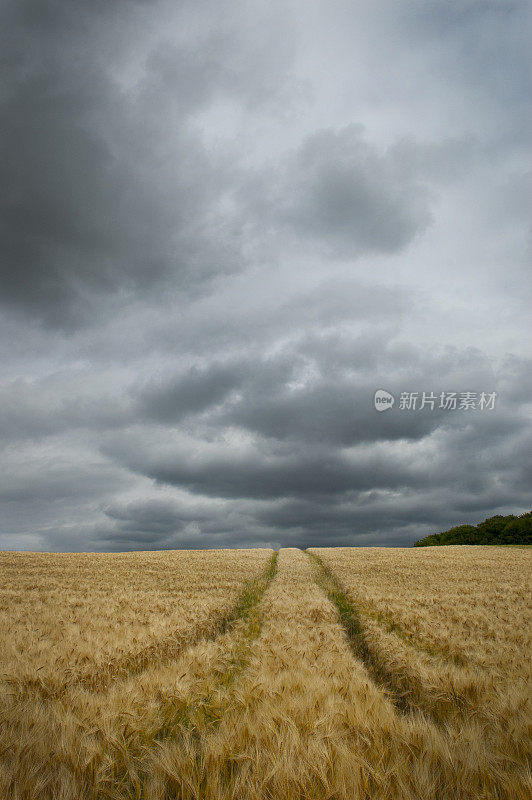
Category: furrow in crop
<point>207,709</point>
<point>160,652</point>
<point>415,681</point>
<point>297,721</point>
<point>103,740</point>
<point>354,630</point>
<point>183,721</point>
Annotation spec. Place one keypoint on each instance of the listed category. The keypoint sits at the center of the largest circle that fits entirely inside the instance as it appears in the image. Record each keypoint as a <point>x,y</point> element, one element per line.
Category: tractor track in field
<point>295,691</point>
<point>159,653</point>
<point>388,623</point>
<point>399,687</point>
<point>181,721</point>
<point>250,618</point>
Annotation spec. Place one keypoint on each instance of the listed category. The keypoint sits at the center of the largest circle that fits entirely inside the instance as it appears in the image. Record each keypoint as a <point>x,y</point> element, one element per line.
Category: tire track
<point>298,715</point>
<point>159,653</point>
<point>293,698</point>
<point>112,747</point>
<point>185,723</point>
<point>387,621</point>
<point>248,616</point>
<point>450,695</point>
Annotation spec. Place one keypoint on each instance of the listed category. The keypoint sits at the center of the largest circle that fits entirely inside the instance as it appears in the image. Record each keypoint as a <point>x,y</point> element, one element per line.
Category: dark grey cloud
<point>56,481</point>
<point>274,476</point>
<point>341,192</point>
<point>199,389</point>
<point>323,439</point>
<point>194,392</point>
<point>35,409</point>
<point>320,390</point>
<point>109,188</point>
<point>225,225</point>
<point>82,215</point>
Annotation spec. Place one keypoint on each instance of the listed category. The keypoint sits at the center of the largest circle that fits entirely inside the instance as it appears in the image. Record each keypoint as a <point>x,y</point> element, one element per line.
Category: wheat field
<point>333,673</point>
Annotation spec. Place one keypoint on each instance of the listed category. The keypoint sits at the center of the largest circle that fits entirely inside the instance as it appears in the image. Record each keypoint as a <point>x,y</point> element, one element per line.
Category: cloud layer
<point>224,227</point>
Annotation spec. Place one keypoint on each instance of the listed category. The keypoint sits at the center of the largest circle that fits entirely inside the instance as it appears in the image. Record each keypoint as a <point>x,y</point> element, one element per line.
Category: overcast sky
<point>224,226</point>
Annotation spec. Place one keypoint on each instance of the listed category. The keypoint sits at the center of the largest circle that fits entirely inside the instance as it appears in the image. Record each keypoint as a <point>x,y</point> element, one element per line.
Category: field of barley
<point>332,673</point>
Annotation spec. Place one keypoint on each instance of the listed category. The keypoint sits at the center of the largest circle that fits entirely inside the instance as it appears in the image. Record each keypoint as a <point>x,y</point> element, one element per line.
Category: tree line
<point>494,530</point>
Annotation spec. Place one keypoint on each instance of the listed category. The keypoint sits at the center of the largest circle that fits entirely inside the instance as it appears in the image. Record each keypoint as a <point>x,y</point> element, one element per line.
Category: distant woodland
<point>494,530</point>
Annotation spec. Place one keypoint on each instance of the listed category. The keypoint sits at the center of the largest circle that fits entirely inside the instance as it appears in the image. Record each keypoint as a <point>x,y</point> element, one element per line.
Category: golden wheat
<point>293,684</point>
<point>467,603</point>
<point>67,617</point>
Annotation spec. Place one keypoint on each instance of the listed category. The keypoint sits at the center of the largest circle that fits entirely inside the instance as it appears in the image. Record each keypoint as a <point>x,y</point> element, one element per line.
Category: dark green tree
<point>494,530</point>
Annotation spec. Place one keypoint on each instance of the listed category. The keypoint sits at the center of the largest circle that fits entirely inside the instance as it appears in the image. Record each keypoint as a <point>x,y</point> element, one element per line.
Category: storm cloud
<point>225,226</point>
